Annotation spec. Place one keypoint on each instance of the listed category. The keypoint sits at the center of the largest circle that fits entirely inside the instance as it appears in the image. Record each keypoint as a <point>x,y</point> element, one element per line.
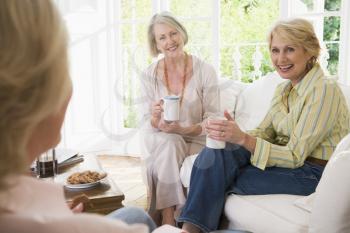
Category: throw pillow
<point>254,101</point>
<point>229,91</point>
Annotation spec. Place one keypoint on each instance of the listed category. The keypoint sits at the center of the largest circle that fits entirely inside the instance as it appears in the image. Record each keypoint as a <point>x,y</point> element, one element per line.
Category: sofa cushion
<point>346,92</point>
<point>229,91</point>
<point>266,214</point>
<point>331,206</point>
<point>186,169</point>
<point>254,101</point>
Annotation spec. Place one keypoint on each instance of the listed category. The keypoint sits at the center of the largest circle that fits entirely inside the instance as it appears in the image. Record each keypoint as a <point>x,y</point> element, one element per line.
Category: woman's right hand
<point>157,110</point>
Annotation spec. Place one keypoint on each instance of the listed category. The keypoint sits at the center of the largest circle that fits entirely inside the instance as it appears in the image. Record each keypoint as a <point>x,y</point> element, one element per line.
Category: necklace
<point>183,78</point>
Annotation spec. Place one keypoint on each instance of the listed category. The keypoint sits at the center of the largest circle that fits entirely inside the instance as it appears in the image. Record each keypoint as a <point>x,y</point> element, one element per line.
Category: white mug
<point>171,108</point>
<point>212,143</point>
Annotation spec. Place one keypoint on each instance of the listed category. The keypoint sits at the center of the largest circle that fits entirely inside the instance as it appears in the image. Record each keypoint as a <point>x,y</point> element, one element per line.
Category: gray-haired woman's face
<point>169,40</point>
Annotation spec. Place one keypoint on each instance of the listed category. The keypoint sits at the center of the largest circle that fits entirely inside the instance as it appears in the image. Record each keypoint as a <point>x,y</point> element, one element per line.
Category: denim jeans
<point>131,215</point>
<point>217,173</point>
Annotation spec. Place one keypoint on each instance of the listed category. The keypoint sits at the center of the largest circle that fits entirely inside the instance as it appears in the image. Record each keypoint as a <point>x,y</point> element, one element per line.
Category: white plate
<point>82,186</point>
<point>63,180</point>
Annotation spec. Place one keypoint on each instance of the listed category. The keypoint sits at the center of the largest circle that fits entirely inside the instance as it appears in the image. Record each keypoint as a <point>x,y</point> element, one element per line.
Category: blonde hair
<point>168,19</point>
<point>34,80</point>
<point>300,32</point>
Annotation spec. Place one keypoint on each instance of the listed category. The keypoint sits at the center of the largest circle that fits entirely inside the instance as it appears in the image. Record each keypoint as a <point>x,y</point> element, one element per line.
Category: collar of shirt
<point>309,79</point>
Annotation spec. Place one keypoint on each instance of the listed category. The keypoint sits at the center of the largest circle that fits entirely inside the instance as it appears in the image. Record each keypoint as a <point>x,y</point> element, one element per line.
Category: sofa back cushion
<point>331,205</point>
<point>254,101</point>
<point>229,91</point>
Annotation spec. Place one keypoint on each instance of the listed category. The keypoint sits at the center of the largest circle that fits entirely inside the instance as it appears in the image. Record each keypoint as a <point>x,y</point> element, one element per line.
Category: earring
<point>311,62</point>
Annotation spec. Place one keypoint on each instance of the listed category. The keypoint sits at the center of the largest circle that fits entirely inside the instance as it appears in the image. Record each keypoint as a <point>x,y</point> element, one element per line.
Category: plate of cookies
<point>84,179</point>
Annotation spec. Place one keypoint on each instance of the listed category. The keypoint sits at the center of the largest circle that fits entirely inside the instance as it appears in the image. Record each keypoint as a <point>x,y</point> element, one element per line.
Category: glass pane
<point>227,54</point>
<point>134,52</point>
<point>193,8</point>
<point>136,9</point>
<point>134,33</point>
<point>309,4</point>
<point>245,32</point>
<point>333,61</point>
<point>304,6</point>
<point>331,28</point>
<point>199,31</point>
<point>332,5</point>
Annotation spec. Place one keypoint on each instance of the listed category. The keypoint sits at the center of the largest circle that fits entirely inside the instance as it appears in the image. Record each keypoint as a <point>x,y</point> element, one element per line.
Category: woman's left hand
<point>173,127</point>
<point>225,130</point>
<point>76,209</point>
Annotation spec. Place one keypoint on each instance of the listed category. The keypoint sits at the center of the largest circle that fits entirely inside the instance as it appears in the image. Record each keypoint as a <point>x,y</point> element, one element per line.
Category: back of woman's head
<point>168,19</point>
<point>34,80</point>
<point>299,32</point>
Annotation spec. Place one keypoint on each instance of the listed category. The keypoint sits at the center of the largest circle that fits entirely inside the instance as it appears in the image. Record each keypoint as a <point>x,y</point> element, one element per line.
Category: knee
<point>173,139</point>
<point>205,159</point>
<point>131,215</point>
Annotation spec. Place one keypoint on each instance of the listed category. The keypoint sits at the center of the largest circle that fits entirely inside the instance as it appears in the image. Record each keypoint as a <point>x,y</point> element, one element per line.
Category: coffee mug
<point>171,107</point>
<point>212,143</point>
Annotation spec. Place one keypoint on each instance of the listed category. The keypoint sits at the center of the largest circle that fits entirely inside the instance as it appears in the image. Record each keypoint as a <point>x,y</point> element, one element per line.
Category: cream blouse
<point>201,98</point>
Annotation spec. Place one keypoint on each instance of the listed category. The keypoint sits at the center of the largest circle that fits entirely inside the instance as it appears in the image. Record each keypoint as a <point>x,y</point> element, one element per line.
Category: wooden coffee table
<point>104,198</point>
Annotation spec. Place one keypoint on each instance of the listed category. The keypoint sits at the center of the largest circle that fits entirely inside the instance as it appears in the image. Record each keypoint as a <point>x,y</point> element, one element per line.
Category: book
<point>63,154</point>
<point>72,160</point>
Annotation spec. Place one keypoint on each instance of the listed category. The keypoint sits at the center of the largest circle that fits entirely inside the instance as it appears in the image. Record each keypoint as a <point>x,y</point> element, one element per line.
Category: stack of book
<point>67,157</point>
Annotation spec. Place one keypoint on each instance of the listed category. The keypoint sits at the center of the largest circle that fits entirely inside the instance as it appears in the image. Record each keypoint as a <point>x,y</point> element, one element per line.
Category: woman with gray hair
<point>166,144</point>
<point>287,152</point>
<point>35,89</point>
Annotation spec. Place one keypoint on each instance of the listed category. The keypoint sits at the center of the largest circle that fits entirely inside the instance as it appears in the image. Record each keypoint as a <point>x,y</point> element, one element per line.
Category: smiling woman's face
<point>290,60</point>
<point>169,40</point>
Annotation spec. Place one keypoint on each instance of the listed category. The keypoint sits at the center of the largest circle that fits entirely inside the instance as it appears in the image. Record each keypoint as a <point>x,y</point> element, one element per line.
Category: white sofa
<point>319,212</point>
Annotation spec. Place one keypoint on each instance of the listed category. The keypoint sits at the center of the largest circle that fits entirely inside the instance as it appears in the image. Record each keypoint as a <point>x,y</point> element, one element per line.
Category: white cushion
<point>306,202</point>
<point>266,214</point>
<point>331,207</point>
<point>229,91</point>
<point>186,169</point>
<point>254,101</point>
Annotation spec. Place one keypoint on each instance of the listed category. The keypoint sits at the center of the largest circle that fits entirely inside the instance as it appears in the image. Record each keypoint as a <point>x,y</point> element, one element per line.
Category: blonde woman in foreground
<point>34,93</point>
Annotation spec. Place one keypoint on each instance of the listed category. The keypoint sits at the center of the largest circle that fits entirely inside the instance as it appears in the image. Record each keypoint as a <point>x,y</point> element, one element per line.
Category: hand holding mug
<point>213,139</point>
<point>225,130</point>
<point>157,110</point>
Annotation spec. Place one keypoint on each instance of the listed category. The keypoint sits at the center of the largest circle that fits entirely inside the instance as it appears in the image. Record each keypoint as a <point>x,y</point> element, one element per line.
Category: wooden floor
<point>126,173</point>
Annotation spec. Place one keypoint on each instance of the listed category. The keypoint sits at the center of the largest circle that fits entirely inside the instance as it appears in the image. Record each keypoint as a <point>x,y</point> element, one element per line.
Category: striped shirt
<point>308,119</point>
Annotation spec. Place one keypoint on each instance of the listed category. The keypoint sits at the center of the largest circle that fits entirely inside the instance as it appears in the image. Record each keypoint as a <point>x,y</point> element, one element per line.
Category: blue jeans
<point>217,173</point>
<point>131,215</point>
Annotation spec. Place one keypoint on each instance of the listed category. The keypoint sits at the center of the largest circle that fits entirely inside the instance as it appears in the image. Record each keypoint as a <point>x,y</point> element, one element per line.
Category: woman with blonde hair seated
<point>35,89</point>
<point>166,144</point>
<point>287,152</point>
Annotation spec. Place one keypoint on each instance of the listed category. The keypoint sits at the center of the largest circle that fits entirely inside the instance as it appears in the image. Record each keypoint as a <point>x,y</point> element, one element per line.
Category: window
<point>108,51</point>
<point>331,22</point>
